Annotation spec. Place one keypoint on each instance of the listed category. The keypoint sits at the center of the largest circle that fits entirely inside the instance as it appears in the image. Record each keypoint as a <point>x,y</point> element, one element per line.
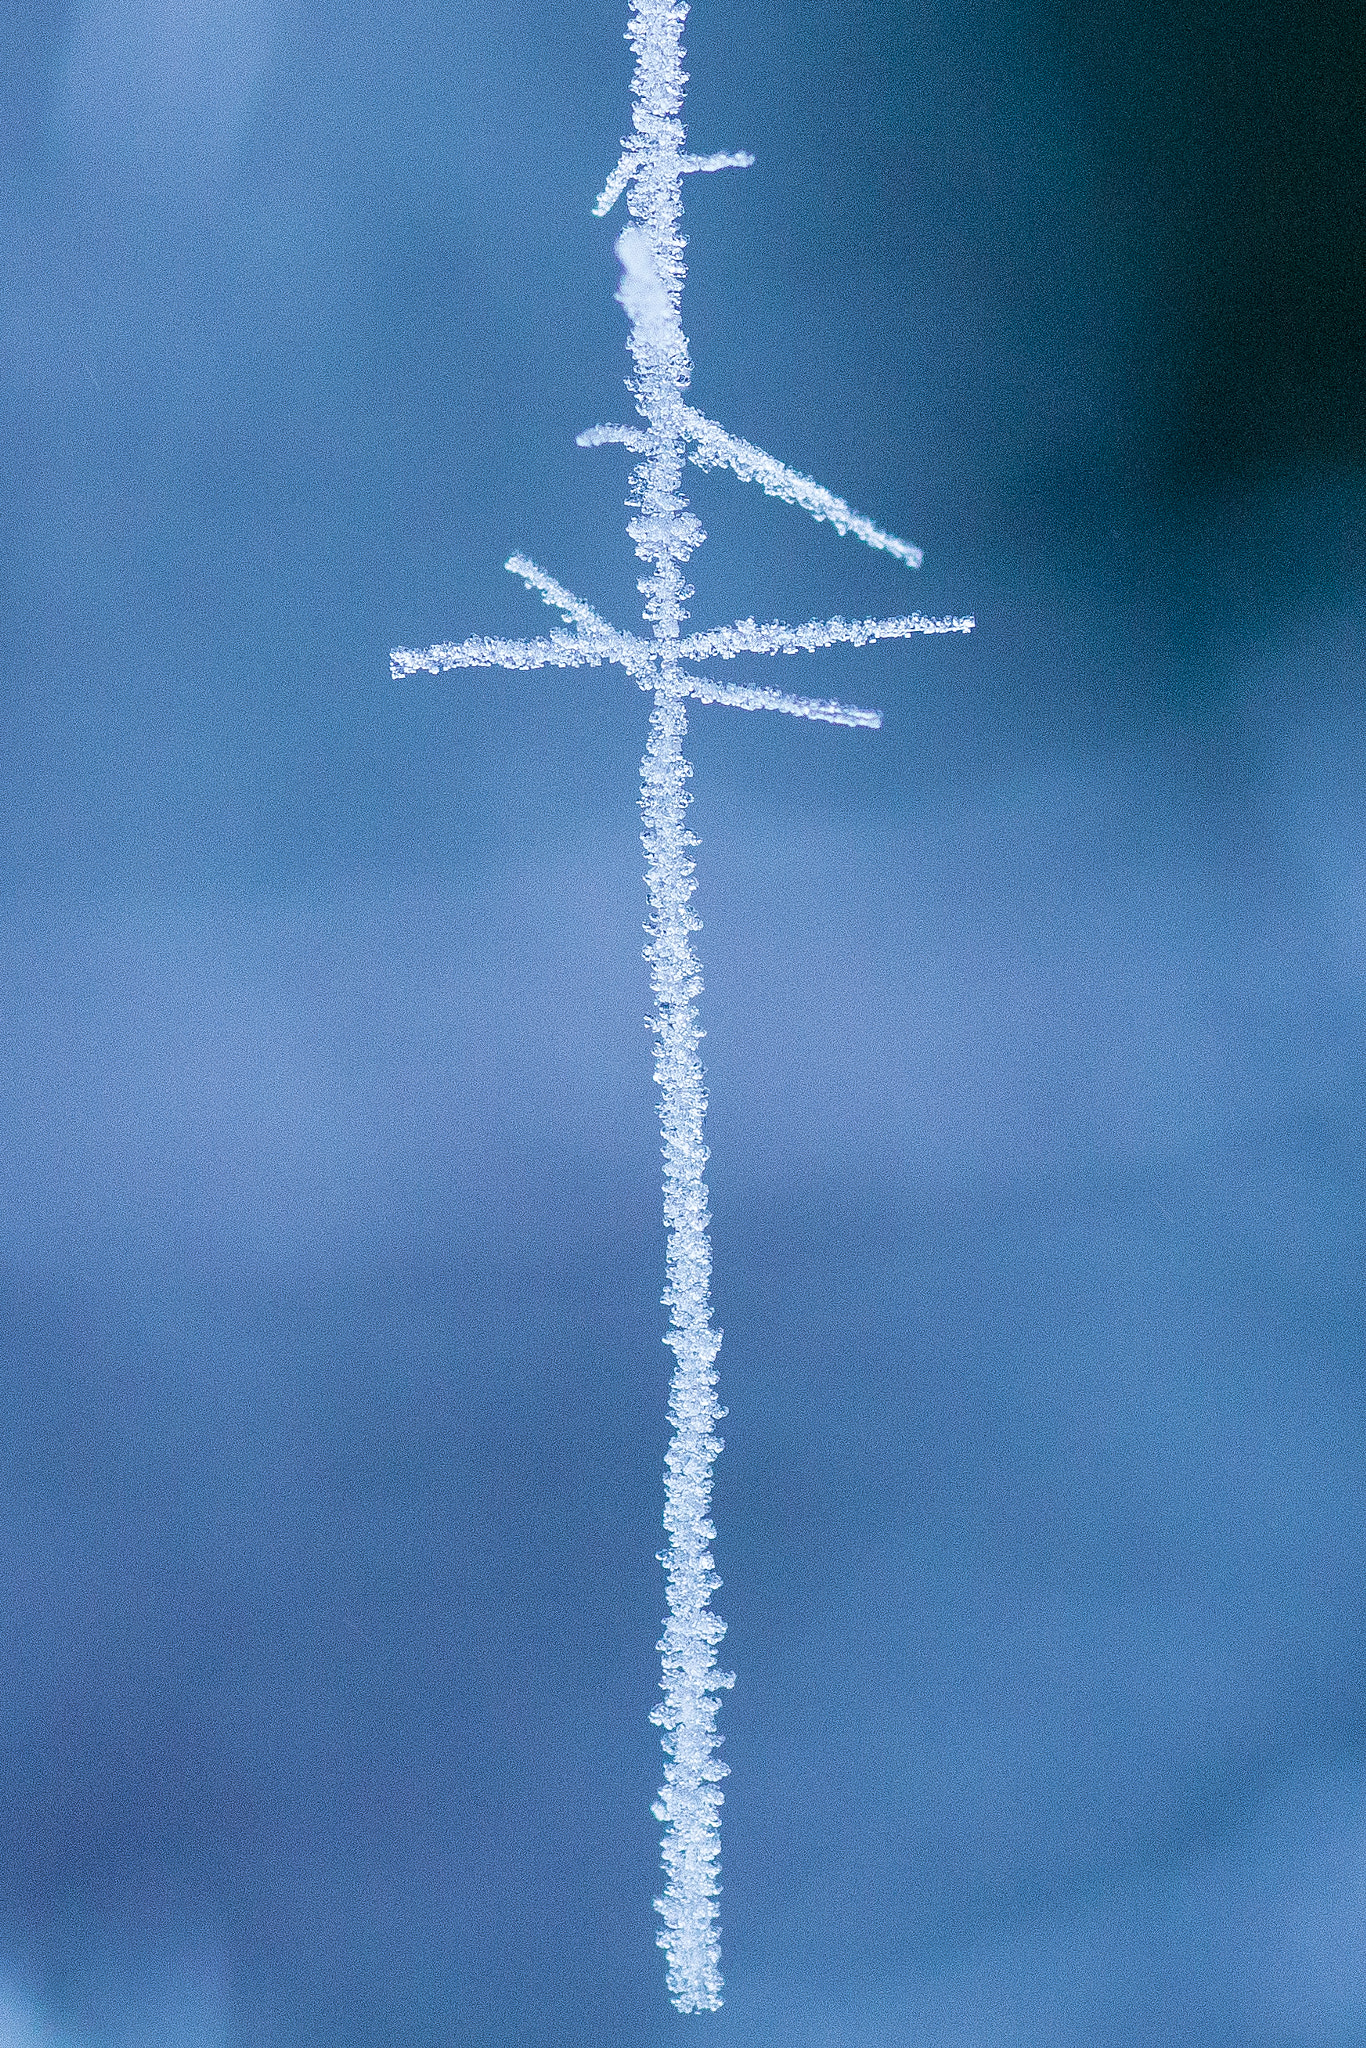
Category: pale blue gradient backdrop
<point>332,1396</point>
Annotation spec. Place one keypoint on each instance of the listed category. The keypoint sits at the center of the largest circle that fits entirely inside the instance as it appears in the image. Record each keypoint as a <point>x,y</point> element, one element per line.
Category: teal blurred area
<point>331,1391</point>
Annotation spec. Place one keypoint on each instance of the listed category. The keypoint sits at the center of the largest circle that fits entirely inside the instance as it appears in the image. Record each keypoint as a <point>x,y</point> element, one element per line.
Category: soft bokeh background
<point>332,1405</point>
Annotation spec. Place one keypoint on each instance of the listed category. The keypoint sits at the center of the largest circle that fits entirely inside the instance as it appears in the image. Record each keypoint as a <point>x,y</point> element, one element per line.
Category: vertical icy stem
<point>690,1802</point>
<point>665,533</point>
<point>650,172</point>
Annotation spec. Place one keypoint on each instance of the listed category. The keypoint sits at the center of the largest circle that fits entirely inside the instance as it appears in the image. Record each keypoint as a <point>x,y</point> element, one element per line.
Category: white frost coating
<point>647,304</point>
<point>650,172</point>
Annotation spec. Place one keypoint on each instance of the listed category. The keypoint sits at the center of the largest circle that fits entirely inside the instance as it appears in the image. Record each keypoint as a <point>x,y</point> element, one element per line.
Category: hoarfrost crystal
<point>650,172</point>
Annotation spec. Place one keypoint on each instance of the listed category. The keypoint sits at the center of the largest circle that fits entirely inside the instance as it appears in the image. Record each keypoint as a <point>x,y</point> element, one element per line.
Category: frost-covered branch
<point>650,172</point>
<point>631,162</point>
<point>665,533</point>
<point>711,447</point>
<point>745,637</point>
<point>603,437</point>
<point>714,448</point>
<point>633,654</point>
<point>621,177</point>
<point>757,698</point>
<point>720,160</point>
<point>572,609</point>
<point>560,650</point>
<point>594,642</point>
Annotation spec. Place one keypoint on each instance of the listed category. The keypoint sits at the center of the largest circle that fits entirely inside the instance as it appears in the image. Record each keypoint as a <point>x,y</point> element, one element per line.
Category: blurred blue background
<point>332,1400</point>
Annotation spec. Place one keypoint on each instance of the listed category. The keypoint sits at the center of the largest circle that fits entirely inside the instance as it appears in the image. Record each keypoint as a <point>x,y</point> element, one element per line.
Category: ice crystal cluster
<point>653,164</point>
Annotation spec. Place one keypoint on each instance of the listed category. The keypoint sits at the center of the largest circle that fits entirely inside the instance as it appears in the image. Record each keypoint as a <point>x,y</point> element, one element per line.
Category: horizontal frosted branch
<point>719,160</point>
<point>561,650</point>
<point>602,437</point>
<point>714,448</point>
<point>745,637</point>
<point>746,698</point>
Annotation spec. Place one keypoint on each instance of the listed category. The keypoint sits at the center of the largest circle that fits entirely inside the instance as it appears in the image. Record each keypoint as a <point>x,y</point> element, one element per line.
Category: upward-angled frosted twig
<point>650,172</point>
